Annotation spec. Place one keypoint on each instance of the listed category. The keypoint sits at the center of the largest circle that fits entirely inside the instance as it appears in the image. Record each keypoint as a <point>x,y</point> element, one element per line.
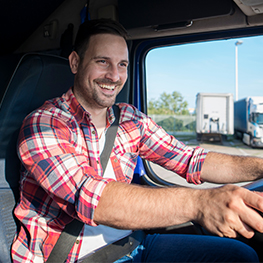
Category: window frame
<point>144,173</point>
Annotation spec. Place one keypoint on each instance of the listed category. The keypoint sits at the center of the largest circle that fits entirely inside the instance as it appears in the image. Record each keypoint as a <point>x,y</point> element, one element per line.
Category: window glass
<point>176,74</point>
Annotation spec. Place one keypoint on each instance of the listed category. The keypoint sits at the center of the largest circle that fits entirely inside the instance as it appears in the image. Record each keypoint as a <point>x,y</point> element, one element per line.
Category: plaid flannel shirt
<point>61,174</point>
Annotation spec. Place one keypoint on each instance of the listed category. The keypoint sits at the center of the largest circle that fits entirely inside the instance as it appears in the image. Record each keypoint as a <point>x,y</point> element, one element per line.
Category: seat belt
<point>116,250</point>
<point>72,230</point>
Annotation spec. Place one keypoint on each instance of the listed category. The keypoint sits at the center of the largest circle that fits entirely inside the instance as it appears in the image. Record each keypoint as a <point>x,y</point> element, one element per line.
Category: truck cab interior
<point>38,36</point>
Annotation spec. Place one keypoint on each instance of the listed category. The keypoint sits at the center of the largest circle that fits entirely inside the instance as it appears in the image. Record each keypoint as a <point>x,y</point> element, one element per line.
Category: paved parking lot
<point>230,146</point>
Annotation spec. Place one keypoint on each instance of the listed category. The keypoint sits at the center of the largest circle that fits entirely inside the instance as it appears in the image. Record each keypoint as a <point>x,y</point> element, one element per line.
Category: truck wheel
<point>252,142</point>
<point>224,137</point>
<point>198,136</point>
<point>238,135</point>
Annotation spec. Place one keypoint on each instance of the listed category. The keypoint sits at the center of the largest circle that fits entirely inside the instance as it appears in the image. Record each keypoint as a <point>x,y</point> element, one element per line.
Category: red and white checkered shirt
<point>62,174</point>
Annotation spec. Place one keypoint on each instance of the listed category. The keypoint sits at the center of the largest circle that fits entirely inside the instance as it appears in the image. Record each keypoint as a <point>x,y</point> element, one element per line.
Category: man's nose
<point>113,73</point>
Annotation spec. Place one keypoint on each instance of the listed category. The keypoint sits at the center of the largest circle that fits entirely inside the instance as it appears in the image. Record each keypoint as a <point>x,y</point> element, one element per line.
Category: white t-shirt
<point>99,236</point>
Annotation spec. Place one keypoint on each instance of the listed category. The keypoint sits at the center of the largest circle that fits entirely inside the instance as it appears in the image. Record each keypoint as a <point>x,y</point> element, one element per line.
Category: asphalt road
<point>230,146</point>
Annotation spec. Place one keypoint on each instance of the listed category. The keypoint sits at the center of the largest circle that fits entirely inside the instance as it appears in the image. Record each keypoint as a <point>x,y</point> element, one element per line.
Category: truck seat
<point>38,77</point>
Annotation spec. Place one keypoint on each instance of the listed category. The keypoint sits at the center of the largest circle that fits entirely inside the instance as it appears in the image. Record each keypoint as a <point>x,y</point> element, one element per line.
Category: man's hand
<point>230,210</point>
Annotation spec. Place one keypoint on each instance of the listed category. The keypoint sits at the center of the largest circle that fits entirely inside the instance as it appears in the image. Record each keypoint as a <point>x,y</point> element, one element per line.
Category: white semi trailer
<point>214,115</point>
<point>248,120</point>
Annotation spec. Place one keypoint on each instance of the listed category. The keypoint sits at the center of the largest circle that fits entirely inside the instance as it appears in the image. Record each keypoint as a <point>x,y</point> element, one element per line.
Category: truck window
<point>260,119</point>
<point>176,74</point>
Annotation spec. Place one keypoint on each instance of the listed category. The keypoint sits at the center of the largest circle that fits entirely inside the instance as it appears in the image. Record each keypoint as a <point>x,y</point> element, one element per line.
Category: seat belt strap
<point>116,250</point>
<point>72,230</point>
<point>110,138</point>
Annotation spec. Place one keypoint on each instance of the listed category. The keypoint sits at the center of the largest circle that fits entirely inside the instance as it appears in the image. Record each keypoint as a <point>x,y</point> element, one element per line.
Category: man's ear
<point>74,61</point>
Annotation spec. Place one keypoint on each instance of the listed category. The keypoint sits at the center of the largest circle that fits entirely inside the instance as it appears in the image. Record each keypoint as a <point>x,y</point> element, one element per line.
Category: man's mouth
<point>107,86</point>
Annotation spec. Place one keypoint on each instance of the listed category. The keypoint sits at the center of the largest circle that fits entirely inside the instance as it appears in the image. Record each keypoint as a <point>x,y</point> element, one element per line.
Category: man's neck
<point>99,119</point>
<point>98,114</point>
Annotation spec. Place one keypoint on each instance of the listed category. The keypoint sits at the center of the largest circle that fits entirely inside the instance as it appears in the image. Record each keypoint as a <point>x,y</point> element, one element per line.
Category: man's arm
<point>140,207</point>
<point>225,211</point>
<point>223,168</point>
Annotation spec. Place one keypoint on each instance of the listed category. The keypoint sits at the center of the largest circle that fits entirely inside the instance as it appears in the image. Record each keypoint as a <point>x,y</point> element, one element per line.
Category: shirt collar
<point>80,113</point>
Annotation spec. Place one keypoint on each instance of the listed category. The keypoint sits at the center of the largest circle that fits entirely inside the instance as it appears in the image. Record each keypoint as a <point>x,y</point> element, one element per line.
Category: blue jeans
<point>190,248</point>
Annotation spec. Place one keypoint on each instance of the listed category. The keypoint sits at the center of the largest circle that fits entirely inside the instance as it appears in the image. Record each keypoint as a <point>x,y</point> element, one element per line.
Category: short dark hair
<point>95,27</point>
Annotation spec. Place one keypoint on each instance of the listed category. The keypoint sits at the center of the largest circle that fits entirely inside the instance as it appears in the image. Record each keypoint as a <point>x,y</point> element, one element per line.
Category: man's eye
<point>102,62</point>
<point>124,65</point>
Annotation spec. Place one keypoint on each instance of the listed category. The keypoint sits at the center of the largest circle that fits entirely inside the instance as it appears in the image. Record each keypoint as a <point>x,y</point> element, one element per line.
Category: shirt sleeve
<point>161,148</point>
<point>55,158</point>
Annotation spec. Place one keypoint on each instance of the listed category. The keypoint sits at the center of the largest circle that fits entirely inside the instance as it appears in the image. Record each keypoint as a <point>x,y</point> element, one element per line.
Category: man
<point>62,178</point>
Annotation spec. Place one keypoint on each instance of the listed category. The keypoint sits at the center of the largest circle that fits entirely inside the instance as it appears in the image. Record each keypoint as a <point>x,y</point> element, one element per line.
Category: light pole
<point>237,44</point>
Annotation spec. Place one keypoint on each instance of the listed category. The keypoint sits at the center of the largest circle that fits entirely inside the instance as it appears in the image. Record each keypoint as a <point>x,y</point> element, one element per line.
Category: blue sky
<point>206,67</point>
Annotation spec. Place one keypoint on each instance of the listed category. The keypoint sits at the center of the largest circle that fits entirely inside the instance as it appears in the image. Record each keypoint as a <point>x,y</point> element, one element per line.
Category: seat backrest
<point>38,77</point>
<point>8,64</point>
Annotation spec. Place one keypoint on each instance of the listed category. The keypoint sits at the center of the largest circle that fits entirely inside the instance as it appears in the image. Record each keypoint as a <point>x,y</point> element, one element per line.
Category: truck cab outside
<point>248,120</point>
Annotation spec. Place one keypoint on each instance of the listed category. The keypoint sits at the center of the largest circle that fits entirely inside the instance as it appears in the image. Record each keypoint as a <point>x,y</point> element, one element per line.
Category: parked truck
<point>214,115</point>
<point>248,120</point>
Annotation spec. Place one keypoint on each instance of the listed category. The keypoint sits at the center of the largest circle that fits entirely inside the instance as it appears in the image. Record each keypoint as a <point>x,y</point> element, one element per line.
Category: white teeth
<point>108,87</point>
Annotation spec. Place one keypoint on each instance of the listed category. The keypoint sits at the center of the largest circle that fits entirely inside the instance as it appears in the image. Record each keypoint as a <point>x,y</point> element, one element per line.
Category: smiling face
<point>100,76</point>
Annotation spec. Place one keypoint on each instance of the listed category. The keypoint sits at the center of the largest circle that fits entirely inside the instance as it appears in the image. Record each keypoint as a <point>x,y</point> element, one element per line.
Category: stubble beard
<point>103,103</point>
<point>92,96</point>
<point>106,100</point>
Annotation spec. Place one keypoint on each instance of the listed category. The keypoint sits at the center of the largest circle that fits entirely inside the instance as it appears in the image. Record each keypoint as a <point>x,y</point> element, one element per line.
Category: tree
<point>168,104</point>
<point>171,124</point>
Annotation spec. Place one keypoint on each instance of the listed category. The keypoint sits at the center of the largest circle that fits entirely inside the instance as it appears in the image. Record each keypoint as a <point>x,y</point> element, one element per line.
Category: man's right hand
<point>230,210</point>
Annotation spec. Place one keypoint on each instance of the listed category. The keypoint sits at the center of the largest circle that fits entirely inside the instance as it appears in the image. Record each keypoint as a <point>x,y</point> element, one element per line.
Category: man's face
<point>102,73</point>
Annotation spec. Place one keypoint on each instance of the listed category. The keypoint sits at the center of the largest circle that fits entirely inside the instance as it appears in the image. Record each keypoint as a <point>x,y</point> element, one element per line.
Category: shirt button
<point>93,132</point>
<point>77,242</point>
<point>98,161</point>
<point>115,160</point>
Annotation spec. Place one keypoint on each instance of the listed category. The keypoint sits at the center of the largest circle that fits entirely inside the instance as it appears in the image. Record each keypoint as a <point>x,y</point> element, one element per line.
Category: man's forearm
<point>138,207</point>
<point>223,168</point>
